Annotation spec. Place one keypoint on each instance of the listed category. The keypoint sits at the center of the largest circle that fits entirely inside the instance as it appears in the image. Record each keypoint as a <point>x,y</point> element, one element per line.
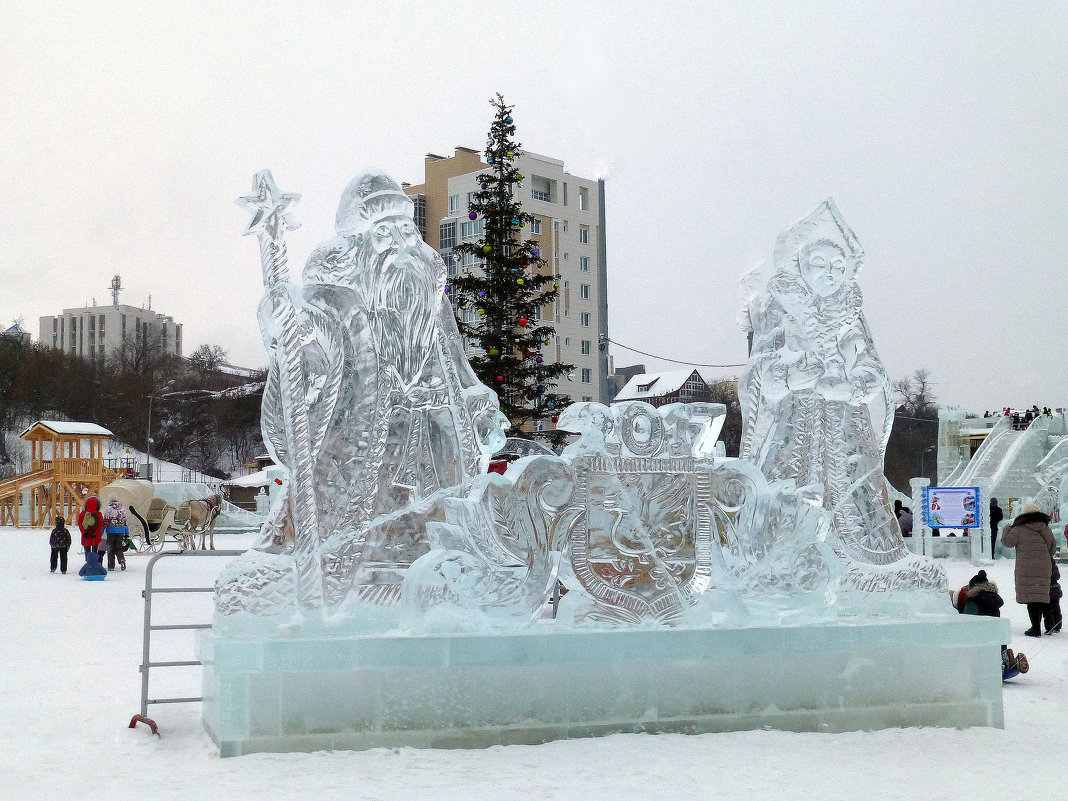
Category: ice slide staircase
<point>999,452</point>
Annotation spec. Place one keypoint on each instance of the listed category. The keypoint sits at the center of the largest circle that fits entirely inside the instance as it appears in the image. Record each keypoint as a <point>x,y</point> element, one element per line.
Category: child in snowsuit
<point>116,530</point>
<point>91,524</point>
<point>981,597</point>
<point>59,541</point>
<point>92,570</point>
<point>1052,612</point>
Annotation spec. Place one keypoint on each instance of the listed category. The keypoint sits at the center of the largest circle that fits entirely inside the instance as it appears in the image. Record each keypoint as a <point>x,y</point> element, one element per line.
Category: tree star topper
<point>269,207</point>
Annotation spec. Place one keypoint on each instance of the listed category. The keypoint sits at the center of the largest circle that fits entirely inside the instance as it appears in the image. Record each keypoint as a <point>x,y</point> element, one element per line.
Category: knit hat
<point>978,578</point>
<point>1031,509</point>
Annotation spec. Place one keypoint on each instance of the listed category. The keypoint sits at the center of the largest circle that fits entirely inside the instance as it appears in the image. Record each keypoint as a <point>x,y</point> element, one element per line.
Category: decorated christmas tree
<point>508,294</point>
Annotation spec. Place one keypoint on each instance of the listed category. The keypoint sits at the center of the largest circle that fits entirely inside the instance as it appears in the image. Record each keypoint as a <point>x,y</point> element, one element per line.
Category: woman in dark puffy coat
<point>1030,535</point>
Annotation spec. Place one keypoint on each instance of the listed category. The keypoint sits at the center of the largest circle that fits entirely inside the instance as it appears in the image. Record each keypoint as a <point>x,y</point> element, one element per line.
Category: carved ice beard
<point>403,290</point>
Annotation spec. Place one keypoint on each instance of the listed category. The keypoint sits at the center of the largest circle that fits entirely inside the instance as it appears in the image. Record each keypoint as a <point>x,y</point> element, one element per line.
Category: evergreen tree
<point>507,291</point>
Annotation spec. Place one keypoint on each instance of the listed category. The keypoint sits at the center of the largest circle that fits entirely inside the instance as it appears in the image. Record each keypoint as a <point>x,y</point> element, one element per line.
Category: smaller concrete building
<point>99,332</point>
<point>688,385</point>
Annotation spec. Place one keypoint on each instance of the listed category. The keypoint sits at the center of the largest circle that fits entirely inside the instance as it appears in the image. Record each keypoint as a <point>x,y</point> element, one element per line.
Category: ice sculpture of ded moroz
<point>816,401</point>
<point>370,403</point>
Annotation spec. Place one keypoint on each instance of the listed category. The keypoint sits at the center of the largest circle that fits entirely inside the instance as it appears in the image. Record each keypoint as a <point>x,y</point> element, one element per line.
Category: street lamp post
<point>923,456</point>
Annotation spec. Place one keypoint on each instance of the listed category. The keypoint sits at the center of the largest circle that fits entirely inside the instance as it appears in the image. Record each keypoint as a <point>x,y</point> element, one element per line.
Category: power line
<point>674,361</point>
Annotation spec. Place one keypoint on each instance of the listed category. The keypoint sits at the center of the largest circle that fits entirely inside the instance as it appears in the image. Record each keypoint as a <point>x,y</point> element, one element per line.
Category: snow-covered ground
<point>70,683</point>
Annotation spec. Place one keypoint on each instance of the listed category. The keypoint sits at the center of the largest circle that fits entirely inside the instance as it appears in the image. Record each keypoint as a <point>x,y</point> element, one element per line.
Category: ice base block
<point>477,690</point>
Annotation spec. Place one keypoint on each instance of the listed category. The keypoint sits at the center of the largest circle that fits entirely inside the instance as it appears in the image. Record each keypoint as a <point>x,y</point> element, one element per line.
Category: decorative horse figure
<point>202,516</point>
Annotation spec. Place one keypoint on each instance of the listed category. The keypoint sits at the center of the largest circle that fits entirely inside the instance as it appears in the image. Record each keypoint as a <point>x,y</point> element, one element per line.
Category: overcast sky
<point>127,130</point>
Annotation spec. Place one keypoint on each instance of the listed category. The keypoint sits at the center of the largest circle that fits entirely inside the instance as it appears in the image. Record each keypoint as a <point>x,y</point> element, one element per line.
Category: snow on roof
<point>261,478</point>
<point>70,427</point>
<point>655,385</point>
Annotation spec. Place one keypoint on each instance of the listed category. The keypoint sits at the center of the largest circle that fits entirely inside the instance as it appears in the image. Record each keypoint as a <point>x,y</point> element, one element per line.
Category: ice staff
<point>280,327</point>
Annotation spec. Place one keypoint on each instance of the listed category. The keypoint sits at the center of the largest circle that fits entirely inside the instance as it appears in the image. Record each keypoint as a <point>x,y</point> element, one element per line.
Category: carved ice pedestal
<point>542,684</point>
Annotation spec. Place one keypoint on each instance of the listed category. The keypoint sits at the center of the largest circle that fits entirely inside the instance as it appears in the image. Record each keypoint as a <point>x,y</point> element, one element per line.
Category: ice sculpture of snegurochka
<point>816,401</point>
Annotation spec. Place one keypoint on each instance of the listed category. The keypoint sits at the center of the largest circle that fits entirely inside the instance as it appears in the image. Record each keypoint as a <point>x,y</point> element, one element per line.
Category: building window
<point>584,291</point>
<point>447,234</point>
<point>587,398</point>
<point>584,234</point>
<point>584,198</point>
<point>587,347</point>
<point>587,375</point>
<point>585,317</point>
<point>454,204</point>
<point>565,255</point>
<point>541,188</point>
<point>565,226</point>
<point>567,340</point>
<point>584,263</point>
<point>450,264</point>
<point>471,229</point>
<point>419,213</point>
<point>470,199</point>
<point>535,226</point>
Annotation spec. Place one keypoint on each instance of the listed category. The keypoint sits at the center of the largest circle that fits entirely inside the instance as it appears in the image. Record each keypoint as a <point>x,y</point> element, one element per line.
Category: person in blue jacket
<point>93,570</point>
<point>115,532</point>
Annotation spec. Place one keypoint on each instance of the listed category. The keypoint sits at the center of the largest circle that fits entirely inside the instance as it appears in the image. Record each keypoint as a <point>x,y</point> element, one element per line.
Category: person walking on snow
<point>1030,535</point>
<point>91,524</point>
<point>116,530</point>
<point>59,541</point>
<point>996,516</point>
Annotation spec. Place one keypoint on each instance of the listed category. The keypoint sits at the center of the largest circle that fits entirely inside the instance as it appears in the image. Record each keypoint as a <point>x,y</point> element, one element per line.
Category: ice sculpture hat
<point>370,196</point>
<point>822,223</point>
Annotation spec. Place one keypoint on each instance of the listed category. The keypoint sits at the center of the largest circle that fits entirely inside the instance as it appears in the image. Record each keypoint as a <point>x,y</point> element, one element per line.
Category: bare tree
<point>209,357</point>
<point>917,394</point>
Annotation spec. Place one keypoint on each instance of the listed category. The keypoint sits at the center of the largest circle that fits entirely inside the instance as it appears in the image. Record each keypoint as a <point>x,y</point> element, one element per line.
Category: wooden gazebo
<point>67,463</point>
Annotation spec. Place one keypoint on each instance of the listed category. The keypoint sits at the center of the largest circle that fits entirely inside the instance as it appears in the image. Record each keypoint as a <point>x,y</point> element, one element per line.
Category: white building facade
<point>98,332</point>
<point>569,228</point>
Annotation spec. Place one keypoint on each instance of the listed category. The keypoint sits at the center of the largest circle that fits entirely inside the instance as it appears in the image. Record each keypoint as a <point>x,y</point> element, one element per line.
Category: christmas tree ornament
<point>494,352</point>
<point>515,221</point>
<point>489,159</point>
<point>511,155</point>
<point>550,405</point>
<point>448,289</point>
<point>523,321</point>
<point>538,360</point>
<point>556,419</point>
<point>486,248</point>
<point>472,216</point>
<point>519,281</point>
<point>500,378</point>
<point>482,186</point>
<point>481,311</point>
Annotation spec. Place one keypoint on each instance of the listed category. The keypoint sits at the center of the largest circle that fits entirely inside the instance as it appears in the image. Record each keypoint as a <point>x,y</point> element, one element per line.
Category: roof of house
<point>70,427</point>
<point>655,385</point>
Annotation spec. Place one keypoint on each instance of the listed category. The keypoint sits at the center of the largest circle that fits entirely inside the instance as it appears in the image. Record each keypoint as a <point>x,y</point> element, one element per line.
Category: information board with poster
<point>951,507</point>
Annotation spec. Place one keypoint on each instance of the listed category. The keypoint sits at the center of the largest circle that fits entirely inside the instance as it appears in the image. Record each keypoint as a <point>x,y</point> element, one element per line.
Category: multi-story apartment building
<point>99,332</point>
<point>569,228</point>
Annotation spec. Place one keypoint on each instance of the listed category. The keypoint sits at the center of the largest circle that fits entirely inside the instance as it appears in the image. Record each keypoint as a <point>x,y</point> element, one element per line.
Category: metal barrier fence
<point>146,659</point>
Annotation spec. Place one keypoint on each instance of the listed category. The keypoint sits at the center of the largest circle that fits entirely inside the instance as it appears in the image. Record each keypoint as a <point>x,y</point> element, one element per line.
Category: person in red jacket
<point>91,523</point>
